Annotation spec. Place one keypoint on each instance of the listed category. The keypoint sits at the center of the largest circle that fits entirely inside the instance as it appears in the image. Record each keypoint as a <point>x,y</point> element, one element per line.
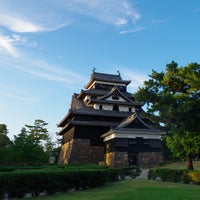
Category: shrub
<point>194,176</point>
<point>171,175</point>
<point>51,180</point>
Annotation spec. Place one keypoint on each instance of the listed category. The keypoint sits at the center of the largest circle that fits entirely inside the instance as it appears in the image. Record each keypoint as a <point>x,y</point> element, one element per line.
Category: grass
<point>133,190</point>
<point>181,165</point>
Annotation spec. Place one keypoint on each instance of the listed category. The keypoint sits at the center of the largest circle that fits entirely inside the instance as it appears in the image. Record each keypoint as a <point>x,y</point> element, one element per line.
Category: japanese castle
<point>104,125</point>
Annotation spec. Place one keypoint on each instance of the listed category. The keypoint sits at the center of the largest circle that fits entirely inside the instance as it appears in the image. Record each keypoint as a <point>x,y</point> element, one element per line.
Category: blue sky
<point>48,49</point>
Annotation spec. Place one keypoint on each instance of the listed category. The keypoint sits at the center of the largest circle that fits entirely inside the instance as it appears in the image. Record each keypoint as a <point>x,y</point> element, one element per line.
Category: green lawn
<point>134,190</point>
<point>181,165</point>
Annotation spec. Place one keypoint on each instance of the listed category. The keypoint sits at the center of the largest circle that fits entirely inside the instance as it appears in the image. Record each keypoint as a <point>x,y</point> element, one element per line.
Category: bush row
<point>175,175</point>
<point>20,183</point>
<point>47,167</point>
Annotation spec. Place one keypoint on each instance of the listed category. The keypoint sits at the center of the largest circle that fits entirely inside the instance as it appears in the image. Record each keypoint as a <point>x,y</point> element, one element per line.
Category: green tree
<point>3,129</point>
<point>4,139</point>
<point>5,144</point>
<point>26,151</point>
<point>173,101</point>
<point>38,132</point>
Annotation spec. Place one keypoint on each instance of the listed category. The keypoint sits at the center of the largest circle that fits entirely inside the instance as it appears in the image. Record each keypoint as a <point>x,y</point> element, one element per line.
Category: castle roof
<point>112,78</point>
<point>132,127</point>
<point>100,92</point>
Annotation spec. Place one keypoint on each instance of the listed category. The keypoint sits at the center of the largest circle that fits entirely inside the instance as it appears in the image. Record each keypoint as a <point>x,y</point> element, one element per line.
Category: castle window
<point>115,107</point>
<point>115,96</point>
<point>130,109</point>
<point>100,107</point>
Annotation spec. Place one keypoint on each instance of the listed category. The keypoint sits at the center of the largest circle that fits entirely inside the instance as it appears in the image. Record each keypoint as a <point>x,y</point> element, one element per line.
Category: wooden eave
<point>95,123</point>
<point>64,129</point>
<point>72,123</point>
<point>115,102</point>
<point>94,112</point>
<point>95,92</point>
<point>65,119</point>
<point>133,131</point>
<point>91,112</point>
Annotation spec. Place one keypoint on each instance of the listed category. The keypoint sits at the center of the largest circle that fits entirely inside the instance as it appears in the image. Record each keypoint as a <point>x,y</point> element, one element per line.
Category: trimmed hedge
<point>21,182</point>
<point>171,175</point>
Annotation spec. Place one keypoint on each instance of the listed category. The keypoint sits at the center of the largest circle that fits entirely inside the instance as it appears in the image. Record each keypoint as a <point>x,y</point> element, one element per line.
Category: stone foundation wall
<point>65,153</point>
<point>83,153</point>
<point>79,151</point>
<point>150,159</point>
<point>116,159</point>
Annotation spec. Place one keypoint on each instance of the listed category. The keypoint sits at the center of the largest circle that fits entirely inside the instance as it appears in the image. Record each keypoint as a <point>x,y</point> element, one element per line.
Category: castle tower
<point>94,112</point>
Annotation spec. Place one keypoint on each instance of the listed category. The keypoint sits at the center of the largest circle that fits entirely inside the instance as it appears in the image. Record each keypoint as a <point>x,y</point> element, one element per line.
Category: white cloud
<point>114,12</point>
<point>137,79</point>
<point>44,70</point>
<point>23,25</point>
<point>22,17</point>
<point>6,45</point>
<point>45,75</point>
<point>121,22</point>
<point>18,25</point>
<point>131,30</point>
<point>17,97</point>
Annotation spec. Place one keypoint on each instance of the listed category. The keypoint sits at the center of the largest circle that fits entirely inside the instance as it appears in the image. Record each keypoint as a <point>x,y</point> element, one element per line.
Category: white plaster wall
<point>126,108</point>
<point>120,99</point>
<point>110,107</point>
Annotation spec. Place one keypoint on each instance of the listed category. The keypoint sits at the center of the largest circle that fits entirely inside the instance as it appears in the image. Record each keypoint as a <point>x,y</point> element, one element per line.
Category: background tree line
<point>32,146</point>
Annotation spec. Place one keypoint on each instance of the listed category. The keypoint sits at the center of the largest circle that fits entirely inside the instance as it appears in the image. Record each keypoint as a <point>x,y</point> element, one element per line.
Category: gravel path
<point>143,175</point>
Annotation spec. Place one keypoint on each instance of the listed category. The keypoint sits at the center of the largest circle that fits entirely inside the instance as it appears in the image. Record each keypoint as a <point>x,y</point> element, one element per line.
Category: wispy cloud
<point>23,25</point>
<point>131,30</point>
<point>114,12</point>
<point>17,24</point>
<point>21,17</point>
<point>44,70</point>
<point>160,21</point>
<point>32,17</point>
<point>137,79</point>
<point>7,45</point>
<point>18,97</point>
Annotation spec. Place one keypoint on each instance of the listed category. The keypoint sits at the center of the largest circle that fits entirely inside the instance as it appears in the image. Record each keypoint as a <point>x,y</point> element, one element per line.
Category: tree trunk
<point>189,162</point>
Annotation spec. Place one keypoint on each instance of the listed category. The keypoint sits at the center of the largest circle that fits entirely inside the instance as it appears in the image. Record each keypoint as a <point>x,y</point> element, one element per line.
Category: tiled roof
<point>91,111</point>
<point>107,78</point>
<point>99,92</point>
<point>133,121</point>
